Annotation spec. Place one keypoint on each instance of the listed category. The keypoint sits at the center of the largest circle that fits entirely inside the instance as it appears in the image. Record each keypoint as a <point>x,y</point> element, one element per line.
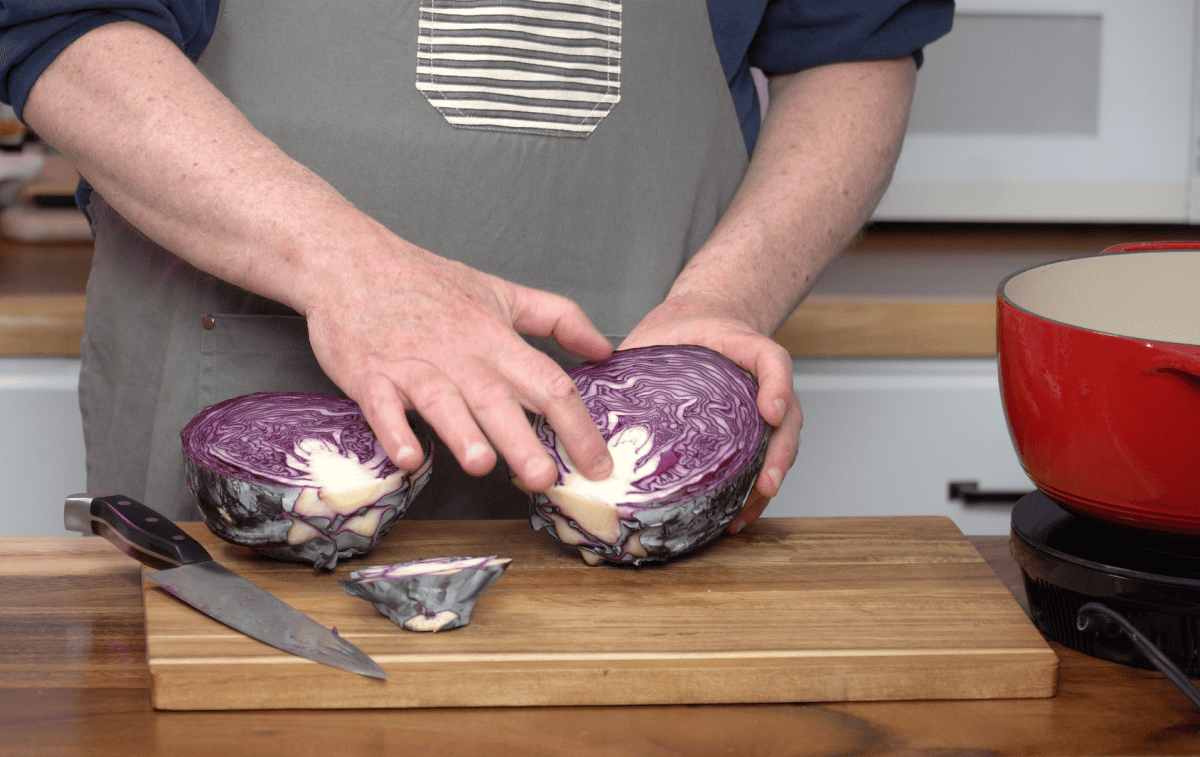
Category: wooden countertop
<point>929,289</point>
<point>73,681</point>
<point>42,297</point>
<point>901,290</point>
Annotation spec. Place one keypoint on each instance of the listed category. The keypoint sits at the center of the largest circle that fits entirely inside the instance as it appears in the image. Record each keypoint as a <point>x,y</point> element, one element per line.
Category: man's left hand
<point>704,321</point>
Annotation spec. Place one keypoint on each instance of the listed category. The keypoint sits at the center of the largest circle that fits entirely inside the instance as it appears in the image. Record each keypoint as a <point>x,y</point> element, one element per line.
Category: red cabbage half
<point>687,441</point>
<point>296,476</point>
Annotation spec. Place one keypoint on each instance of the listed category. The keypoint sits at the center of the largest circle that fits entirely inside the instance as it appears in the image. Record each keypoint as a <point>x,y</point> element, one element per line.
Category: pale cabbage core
<point>629,448</point>
<point>337,483</point>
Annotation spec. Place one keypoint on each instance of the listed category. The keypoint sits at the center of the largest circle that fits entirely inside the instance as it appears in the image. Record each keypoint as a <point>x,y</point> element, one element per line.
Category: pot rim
<point>1137,248</point>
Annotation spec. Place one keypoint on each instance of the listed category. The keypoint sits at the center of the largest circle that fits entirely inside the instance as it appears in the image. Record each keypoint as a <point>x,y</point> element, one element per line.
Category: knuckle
<point>489,394</point>
<point>780,351</point>
<point>374,402</point>
<point>560,389</point>
<point>433,394</point>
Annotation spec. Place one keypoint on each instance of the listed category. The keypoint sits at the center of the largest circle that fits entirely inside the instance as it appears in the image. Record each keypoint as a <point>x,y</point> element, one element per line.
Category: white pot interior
<point>1143,295</point>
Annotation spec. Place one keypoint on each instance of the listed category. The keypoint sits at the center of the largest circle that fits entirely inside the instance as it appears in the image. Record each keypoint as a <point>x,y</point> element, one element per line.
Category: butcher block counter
<point>901,290</point>
<point>74,681</point>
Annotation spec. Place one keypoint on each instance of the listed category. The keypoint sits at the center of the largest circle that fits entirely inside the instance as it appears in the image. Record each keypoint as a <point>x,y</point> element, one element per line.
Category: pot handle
<point>1185,365</point>
<point>1149,246</point>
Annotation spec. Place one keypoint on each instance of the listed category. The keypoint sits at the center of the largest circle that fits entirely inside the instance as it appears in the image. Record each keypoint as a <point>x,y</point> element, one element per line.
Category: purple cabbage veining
<point>296,476</point>
<point>691,417</point>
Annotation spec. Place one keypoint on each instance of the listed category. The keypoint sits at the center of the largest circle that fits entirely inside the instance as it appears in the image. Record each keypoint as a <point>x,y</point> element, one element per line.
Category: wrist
<point>689,303</point>
<point>730,281</point>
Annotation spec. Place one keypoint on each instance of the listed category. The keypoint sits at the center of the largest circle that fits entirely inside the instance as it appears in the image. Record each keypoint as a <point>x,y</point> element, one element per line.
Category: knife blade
<point>188,571</point>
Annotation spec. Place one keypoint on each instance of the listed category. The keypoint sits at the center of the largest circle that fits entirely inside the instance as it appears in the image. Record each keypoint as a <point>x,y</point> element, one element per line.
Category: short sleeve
<point>34,32</point>
<point>798,34</point>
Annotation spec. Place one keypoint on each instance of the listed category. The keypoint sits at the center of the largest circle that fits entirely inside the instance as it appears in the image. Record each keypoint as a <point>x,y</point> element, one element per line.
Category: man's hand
<point>427,334</point>
<point>704,320</point>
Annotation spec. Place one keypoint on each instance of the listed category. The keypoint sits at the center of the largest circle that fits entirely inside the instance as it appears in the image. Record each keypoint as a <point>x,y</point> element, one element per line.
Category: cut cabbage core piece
<point>427,595</point>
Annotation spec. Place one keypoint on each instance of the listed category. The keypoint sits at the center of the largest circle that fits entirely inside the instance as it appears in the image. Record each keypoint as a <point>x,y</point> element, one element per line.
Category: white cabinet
<point>41,447</point>
<point>887,436</point>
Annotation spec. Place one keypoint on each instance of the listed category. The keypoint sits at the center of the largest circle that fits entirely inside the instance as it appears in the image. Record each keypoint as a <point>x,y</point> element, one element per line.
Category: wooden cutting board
<point>790,610</point>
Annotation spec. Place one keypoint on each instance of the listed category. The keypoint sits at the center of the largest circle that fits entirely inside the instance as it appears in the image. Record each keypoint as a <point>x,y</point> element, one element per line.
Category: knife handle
<point>139,531</point>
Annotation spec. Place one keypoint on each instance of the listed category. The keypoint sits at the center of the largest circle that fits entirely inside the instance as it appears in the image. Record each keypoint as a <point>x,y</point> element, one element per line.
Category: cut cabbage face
<point>296,476</point>
<point>687,441</point>
<point>427,595</point>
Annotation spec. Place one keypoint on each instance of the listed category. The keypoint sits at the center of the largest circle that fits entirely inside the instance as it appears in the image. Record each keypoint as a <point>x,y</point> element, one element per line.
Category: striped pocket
<point>549,67</point>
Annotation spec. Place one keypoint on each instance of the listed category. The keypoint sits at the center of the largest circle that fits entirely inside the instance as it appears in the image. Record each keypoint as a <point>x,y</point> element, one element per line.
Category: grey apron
<point>601,200</point>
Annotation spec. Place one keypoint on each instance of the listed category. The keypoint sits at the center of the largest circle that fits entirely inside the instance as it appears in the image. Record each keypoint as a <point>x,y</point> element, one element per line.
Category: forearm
<point>824,157</point>
<point>394,326</point>
<point>177,159</point>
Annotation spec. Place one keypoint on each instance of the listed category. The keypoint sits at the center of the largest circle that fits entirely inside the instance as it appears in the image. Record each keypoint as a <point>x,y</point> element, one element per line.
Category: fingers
<point>495,406</point>
<point>539,313</point>
<point>771,365</point>
<point>384,407</point>
<point>782,449</point>
<point>477,413</point>
<point>549,391</point>
<point>385,414</point>
<point>755,505</point>
<point>450,350</point>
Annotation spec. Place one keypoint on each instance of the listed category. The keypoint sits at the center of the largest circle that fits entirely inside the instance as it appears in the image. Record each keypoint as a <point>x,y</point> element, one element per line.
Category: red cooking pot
<point>1100,379</point>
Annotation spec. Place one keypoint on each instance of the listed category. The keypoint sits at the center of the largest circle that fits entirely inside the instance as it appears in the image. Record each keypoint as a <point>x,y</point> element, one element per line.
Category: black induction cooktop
<point>1152,579</point>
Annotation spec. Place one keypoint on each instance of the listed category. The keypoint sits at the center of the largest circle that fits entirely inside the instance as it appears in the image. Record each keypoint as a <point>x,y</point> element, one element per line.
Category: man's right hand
<point>413,331</point>
<point>395,326</point>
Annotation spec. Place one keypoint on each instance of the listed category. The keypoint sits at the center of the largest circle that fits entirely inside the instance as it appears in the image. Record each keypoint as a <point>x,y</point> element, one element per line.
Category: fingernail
<point>403,454</point>
<point>737,526</point>
<point>476,450</point>
<point>604,469</point>
<point>781,408</point>
<point>776,477</point>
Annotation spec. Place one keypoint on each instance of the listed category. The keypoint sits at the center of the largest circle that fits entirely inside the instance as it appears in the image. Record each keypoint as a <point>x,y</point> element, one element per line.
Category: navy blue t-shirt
<point>777,36</point>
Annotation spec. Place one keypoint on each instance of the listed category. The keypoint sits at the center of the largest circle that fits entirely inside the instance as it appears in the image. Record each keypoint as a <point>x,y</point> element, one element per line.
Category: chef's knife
<point>189,572</point>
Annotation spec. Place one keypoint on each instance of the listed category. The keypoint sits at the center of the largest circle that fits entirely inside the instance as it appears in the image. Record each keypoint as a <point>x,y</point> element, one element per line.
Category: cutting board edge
<point>1022,674</point>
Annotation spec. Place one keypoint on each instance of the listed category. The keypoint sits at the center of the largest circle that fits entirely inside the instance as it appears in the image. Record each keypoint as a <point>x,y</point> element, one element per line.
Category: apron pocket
<point>547,67</point>
<point>240,354</point>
